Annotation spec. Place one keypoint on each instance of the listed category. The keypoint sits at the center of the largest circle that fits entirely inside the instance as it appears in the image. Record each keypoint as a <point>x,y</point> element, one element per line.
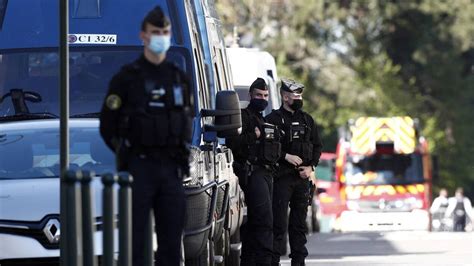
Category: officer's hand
<point>305,171</point>
<point>293,159</point>
<point>257,132</point>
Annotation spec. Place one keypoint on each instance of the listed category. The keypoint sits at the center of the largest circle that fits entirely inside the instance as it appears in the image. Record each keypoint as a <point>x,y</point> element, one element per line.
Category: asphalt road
<point>389,248</point>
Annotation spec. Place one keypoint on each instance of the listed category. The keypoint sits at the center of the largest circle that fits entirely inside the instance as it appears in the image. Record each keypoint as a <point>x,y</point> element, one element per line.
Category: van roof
<point>248,64</point>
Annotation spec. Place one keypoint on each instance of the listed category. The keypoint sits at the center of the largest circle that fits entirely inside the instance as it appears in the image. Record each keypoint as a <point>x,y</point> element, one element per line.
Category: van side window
<point>197,50</point>
<point>202,95</point>
<point>202,75</point>
<point>225,71</point>
<point>218,78</point>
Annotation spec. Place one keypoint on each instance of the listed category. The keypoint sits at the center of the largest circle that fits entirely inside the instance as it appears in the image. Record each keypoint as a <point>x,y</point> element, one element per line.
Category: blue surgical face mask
<point>159,44</point>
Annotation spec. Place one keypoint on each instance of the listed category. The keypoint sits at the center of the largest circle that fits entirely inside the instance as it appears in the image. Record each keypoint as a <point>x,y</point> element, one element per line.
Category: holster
<point>312,188</point>
<point>122,156</point>
<point>285,171</point>
<point>242,171</point>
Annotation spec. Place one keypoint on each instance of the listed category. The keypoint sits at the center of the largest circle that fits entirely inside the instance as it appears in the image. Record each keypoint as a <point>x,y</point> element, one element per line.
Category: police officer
<point>460,209</point>
<point>256,150</point>
<point>301,149</point>
<point>438,209</point>
<point>146,120</point>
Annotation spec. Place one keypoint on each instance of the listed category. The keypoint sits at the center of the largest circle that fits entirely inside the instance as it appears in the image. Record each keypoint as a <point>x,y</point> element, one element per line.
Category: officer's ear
<point>143,37</point>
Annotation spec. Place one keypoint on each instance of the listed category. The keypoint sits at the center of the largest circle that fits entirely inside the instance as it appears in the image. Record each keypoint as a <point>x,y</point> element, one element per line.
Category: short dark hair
<point>260,84</point>
<point>157,18</point>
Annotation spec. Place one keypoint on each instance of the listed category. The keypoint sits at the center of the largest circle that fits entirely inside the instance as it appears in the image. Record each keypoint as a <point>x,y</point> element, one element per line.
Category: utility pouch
<point>242,171</point>
<point>180,124</point>
<point>149,131</point>
<point>297,132</point>
<point>270,150</point>
<point>312,188</point>
<point>300,142</point>
<point>122,156</point>
<point>307,152</point>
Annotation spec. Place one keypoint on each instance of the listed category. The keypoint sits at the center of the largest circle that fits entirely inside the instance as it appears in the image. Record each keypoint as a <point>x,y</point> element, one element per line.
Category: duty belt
<point>287,171</point>
<point>265,166</point>
<point>155,153</point>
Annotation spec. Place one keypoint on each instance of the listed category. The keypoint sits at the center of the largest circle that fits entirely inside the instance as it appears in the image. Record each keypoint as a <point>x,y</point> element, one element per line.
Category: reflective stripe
<point>367,131</point>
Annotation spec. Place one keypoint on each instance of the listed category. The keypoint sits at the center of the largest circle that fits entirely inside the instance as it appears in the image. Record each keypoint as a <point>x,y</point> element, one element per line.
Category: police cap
<point>157,18</point>
<point>260,84</point>
<point>292,86</point>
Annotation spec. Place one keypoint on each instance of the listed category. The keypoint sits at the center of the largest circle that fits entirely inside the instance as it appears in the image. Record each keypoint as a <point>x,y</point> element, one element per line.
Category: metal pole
<point>125,219</point>
<point>74,218</point>
<point>149,256</point>
<point>108,219</point>
<point>88,229</point>
<point>63,123</point>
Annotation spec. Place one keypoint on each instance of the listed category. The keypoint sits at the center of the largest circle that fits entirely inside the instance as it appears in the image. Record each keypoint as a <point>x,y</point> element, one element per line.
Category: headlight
<point>413,203</point>
<point>352,205</point>
<point>196,167</point>
<point>399,204</point>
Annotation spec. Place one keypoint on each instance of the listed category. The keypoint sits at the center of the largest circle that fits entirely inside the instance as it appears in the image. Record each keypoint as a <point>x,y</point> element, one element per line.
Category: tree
<point>375,57</point>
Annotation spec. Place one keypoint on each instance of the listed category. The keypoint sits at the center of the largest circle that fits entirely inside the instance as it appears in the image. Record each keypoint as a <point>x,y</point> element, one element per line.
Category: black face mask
<point>258,104</point>
<point>296,105</point>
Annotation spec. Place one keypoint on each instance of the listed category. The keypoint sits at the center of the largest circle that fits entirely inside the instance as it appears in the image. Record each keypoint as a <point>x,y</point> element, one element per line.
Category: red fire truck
<point>383,174</point>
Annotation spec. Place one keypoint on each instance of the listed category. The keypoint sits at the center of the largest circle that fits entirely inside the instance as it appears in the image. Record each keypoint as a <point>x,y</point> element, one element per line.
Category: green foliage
<point>375,57</point>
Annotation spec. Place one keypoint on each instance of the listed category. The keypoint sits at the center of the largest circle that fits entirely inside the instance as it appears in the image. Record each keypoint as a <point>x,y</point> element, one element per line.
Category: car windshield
<point>384,169</point>
<point>34,153</point>
<point>90,70</point>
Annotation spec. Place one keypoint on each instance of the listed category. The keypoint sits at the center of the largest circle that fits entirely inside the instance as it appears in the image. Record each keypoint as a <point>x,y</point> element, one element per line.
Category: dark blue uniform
<point>146,120</point>
<point>459,215</point>
<point>302,139</point>
<point>254,163</point>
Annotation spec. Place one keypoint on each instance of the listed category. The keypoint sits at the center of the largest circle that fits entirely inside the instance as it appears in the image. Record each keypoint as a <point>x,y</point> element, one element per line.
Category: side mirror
<point>227,115</point>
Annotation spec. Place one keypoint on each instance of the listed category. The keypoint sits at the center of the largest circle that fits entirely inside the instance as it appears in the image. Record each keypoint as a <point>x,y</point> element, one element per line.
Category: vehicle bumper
<point>23,247</point>
<point>384,221</point>
<point>16,247</point>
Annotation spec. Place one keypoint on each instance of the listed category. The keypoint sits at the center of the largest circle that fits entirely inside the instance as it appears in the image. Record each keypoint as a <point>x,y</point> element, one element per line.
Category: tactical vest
<point>267,149</point>
<point>161,117</point>
<point>298,138</point>
<point>459,210</point>
<point>443,207</point>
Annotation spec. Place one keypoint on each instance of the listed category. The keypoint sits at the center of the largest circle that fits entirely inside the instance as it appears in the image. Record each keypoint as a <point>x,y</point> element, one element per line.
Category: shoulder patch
<point>113,102</point>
